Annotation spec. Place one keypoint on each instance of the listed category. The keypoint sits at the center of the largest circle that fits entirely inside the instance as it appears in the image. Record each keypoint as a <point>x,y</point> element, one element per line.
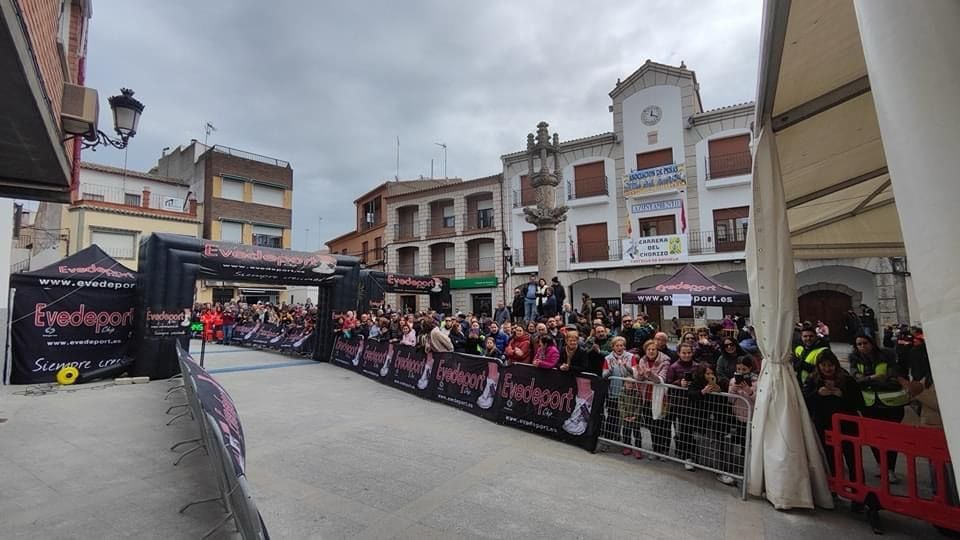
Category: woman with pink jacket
<point>548,355</point>
<point>652,369</point>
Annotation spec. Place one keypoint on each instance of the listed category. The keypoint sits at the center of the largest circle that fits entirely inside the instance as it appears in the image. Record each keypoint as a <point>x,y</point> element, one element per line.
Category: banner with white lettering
<point>347,350</point>
<point>375,359</point>
<point>265,265</point>
<point>410,371</point>
<point>559,404</point>
<point>468,382</point>
<point>78,312</point>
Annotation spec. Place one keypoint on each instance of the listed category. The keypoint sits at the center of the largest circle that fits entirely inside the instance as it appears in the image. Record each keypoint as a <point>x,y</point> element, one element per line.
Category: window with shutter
<point>530,248</point>
<point>729,156</point>
<point>231,189</point>
<point>657,158</point>
<point>658,226</point>
<point>730,228</point>
<point>528,195</point>
<point>592,242</point>
<point>119,245</point>
<point>231,231</point>
<point>589,180</point>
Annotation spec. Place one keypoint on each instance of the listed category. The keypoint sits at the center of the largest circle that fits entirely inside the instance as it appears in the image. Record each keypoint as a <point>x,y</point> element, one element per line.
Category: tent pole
<point>7,325</point>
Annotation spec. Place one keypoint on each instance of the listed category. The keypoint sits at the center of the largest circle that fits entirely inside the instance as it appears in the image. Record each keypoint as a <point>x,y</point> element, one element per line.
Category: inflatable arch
<point>170,265</point>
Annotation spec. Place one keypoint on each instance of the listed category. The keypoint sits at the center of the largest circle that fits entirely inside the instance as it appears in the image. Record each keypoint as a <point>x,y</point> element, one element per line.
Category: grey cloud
<point>328,86</point>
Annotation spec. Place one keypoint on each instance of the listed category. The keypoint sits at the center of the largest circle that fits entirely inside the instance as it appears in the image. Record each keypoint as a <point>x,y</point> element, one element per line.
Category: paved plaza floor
<point>331,454</point>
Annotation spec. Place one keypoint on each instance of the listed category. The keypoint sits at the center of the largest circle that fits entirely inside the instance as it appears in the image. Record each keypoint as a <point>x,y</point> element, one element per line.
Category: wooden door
<point>829,307</point>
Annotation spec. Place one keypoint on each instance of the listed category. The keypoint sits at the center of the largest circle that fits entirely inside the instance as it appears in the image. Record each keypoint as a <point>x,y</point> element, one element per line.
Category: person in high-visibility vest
<point>805,355</point>
<point>884,398</point>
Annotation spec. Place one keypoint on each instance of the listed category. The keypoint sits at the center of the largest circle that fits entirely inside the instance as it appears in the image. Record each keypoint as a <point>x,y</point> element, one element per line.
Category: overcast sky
<point>329,86</point>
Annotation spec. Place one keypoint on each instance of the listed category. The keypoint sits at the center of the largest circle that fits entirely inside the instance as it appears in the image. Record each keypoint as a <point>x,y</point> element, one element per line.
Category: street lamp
<point>126,117</point>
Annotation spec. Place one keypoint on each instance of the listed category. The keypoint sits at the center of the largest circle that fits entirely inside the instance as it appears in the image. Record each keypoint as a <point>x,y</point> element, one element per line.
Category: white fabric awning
<point>815,97</point>
<point>856,102</point>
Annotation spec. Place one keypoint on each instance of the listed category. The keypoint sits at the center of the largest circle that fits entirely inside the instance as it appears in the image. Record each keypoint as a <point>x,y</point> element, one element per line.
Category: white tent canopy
<point>845,87</point>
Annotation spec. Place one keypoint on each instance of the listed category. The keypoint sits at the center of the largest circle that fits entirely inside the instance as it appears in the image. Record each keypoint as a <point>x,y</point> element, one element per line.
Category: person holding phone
<point>475,339</point>
<point>830,390</point>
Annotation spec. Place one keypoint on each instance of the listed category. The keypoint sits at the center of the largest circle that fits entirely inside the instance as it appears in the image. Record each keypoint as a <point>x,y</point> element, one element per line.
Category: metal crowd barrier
<point>706,431</point>
<point>233,490</point>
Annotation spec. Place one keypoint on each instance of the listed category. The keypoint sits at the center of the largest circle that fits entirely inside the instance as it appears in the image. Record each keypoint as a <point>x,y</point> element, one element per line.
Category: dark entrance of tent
<point>173,263</point>
<point>829,307</point>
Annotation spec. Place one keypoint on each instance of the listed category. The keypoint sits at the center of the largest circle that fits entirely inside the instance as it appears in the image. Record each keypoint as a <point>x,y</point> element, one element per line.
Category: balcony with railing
<point>728,165</point>
<point>581,188</point>
<point>480,220</point>
<point>597,251</point>
<point>711,242</point>
<point>406,231</point>
<point>442,226</point>
<point>524,197</point>
<point>481,265</point>
<point>407,267</point>
<point>109,196</point>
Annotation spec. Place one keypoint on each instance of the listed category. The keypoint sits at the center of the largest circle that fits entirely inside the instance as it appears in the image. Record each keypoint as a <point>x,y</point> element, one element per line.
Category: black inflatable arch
<point>170,265</point>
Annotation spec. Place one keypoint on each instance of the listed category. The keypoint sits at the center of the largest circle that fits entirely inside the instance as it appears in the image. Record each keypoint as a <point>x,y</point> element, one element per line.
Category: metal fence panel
<point>703,430</point>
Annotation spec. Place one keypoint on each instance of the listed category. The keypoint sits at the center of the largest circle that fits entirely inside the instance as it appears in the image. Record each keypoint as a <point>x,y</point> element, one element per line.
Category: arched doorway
<point>829,306</point>
<point>603,292</point>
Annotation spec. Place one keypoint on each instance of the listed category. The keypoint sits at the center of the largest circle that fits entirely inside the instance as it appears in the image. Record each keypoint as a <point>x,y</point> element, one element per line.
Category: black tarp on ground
<point>690,280</point>
<point>78,311</point>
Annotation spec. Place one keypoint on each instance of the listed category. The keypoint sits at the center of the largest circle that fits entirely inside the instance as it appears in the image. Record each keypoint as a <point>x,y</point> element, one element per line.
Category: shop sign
<point>655,206</point>
<point>474,282</point>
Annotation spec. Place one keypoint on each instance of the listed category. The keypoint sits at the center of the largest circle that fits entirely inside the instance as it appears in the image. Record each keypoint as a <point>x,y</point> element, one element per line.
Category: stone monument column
<point>543,165</point>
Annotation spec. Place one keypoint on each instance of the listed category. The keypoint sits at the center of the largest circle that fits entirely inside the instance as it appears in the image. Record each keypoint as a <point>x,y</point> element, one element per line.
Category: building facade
<point>368,239</point>
<point>116,208</point>
<point>454,231</point>
<point>242,197</point>
<point>671,185</point>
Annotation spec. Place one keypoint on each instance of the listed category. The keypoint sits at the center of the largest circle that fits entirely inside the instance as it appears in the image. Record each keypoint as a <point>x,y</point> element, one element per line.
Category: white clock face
<point>651,115</point>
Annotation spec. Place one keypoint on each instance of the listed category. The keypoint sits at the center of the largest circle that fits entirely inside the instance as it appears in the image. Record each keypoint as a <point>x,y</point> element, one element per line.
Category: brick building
<point>453,231</point>
<point>367,239</point>
<point>243,197</point>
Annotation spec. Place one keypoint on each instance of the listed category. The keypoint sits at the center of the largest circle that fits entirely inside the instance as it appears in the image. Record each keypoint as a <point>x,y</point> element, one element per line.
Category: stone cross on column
<point>546,214</point>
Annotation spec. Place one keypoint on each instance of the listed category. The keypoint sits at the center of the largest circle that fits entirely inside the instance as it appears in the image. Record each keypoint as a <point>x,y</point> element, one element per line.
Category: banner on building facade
<point>666,249</point>
<point>468,383</point>
<point>654,179</point>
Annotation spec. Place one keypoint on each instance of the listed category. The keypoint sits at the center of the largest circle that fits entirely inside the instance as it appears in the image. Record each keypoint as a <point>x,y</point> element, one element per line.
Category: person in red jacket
<point>210,319</point>
<point>518,348</point>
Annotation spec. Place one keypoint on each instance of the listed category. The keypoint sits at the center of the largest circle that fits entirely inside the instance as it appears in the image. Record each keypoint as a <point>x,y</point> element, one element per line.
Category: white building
<point>670,185</point>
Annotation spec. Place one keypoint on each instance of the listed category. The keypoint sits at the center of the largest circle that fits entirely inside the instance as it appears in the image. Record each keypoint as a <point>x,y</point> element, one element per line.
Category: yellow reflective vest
<point>810,358</point>
<point>887,398</point>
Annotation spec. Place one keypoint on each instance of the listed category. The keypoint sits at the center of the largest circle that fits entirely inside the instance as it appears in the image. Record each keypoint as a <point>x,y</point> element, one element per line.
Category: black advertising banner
<point>215,400</point>
<point>265,265</point>
<point>375,359</point>
<point>559,404</point>
<point>467,382</point>
<point>266,334</point>
<point>410,371</point>
<point>346,351</point>
<point>160,323</point>
<point>399,283</point>
<point>55,327</point>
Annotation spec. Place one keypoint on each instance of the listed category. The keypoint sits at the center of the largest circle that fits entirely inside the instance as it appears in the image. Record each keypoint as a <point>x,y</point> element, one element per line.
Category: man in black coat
<point>558,292</point>
<point>517,310</point>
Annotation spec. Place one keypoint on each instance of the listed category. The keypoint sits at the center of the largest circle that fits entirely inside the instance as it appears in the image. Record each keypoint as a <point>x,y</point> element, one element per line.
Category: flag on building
<point>629,226</point>
<point>683,217</point>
